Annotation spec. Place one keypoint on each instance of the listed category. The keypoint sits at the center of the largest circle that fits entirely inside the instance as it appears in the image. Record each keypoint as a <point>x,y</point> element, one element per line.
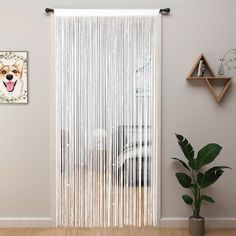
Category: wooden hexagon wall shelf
<point>201,70</point>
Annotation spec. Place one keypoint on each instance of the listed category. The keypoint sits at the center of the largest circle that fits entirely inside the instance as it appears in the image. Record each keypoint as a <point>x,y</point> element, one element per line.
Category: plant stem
<point>196,190</point>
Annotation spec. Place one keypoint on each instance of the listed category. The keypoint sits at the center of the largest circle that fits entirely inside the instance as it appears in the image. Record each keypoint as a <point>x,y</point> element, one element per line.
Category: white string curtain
<point>108,84</point>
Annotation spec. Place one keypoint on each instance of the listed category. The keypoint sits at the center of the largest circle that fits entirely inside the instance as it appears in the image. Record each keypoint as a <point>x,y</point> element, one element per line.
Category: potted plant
<point>197,180</point>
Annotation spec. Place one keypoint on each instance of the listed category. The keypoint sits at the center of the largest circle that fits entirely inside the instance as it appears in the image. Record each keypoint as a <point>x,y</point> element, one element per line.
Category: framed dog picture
<point>13,77</point>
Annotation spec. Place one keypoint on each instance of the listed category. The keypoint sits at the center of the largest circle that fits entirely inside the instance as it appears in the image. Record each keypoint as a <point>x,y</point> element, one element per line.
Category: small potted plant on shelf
<point>198,180</point>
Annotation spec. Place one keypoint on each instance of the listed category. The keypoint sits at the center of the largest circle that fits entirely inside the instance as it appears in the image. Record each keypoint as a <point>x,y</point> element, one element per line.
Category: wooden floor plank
<point>108,232</point>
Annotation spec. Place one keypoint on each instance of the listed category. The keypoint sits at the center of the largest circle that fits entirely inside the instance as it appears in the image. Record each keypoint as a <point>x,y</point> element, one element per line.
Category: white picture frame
<point>13,77</point>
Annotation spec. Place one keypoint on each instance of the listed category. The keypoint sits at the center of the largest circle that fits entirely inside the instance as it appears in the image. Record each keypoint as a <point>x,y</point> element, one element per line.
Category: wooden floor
<point>108,232</point>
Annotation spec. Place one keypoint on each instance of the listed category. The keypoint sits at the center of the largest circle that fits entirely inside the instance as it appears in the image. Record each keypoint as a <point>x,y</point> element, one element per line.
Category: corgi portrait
<point>13,84</point>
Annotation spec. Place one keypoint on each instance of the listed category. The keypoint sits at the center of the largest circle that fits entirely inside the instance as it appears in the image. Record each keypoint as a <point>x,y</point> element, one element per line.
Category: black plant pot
<point>196,226</point>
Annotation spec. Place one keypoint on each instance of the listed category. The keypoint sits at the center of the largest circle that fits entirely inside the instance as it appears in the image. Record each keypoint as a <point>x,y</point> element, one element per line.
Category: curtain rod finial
<point>49,10</point>
<point>165,11</point>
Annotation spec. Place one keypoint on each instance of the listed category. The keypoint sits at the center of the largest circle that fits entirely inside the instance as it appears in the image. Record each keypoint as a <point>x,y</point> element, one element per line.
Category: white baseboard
<point>164,222</point>
<point>27,222</point>
<point>210,222</point>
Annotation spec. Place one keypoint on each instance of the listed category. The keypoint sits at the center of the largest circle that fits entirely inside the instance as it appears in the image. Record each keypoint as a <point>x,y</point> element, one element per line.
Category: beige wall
<point>193,27</point>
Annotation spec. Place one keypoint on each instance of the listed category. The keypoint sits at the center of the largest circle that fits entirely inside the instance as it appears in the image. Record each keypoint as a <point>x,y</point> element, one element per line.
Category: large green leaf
<point>211,176</point>
<point>207,154</point>
<point>215,168</point>
<point>185,146</point>
<point>184,179</point>
<point>207,198</point>
<point>187,199</point>
<point>182,162</point>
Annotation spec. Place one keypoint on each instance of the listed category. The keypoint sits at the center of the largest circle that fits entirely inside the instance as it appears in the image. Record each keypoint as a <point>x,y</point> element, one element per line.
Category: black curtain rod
<point>163,11</point>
